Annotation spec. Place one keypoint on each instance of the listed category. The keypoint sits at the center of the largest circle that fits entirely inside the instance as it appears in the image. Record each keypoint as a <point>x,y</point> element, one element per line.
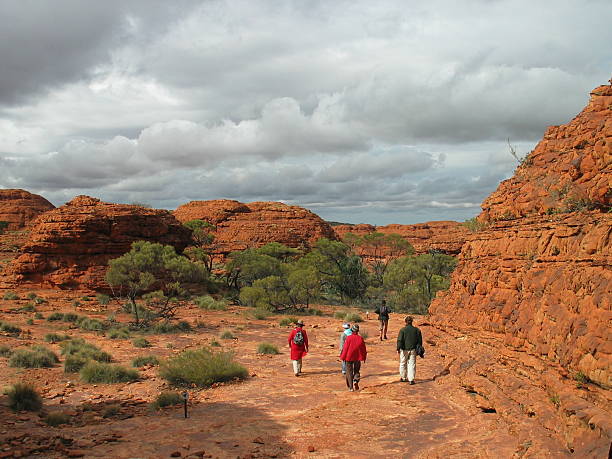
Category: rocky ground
<point>472,398</point>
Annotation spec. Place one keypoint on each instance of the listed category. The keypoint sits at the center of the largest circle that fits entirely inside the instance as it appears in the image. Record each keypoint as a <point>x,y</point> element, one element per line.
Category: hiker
<point>346,332</point>
<point>407,341</point>
<point>298,342</point>
<point>353,353</point>
<point>383,316</point>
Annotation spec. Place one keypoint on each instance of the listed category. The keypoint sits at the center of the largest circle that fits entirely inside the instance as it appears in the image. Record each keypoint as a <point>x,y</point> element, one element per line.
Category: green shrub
<point>284,322</point>
<point>85,323</point>
<point>9,328</point>
<point>30,322</point>
<point>55,338</point>
<point>210,304</point>
<point>141,342</point>
<point>311,312</point>
<point>103,299</point>
<point>11,296</point>
<point>79,347</point>
<point>39,300</point>
<point>96,372</point>
<point>340,315</point>
<point>215,343</point>
<point>145,360</point>
<point>5,351</point>
<point>74,363</point>
<point>72,317</point>
<point>259,314</point>
<point>55,316</point>
<point>267,348</point>
<point>119,333</point>
<point>169,327</point>
<point>28,308</point>
<point>31,295</point>
<point>352,317</point>
<point>57,418</point>
<point>581,378</point>
<point>38,315</point>
<point>24,397</point>
<point>34,357</point>
<point>201,367</point>
<point>167,398</point>
<point>226,334</point>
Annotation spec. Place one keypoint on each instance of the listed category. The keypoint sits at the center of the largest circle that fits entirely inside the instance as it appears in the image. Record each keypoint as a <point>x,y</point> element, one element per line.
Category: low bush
<point>202,368</point>
<point>74,363</point>
<point>352,317</point>
<point>72,317</point>
<point>28,308</point>
<point>145,360</point>
<point>30,321</point>
<point>285,322</point>
<point>9,328</point>
<point>210,304</point>
<point>11,296</point>
<point>38,315</point>
<point>215,343</point>
<point>260,314</point>
<point>119,333</point>
<point>141,342</point>
<point>57,418</point>
<point>39,300</point>
<point>226,334</point>
<point>103,299</point>
<point>85,323</point>
<point>34,357</point>
<point>169,327</point>
<point>96,372</point>
<point>311,312</point>
<point>167,398</point>
<point>31,295</point>
<point>23,397</point>
<point>340,315</point>
<point>267,348</point>
<point>5,351</point>
<point>55,316</point>
<point>55,338</point>
<point>80,348</point>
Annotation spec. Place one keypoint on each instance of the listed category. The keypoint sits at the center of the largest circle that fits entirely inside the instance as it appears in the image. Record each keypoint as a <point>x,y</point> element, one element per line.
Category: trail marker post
<point>185,398</point>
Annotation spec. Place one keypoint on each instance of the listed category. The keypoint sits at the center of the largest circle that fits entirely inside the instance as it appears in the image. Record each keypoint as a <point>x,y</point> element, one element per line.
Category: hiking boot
<point>356,385</point>
<point>297,374</point>
<point>412,383</point>
<point>386,337</point>
<point>403,380</point>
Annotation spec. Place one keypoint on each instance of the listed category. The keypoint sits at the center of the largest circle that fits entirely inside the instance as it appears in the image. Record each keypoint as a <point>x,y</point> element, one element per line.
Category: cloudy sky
<point>362,111</point>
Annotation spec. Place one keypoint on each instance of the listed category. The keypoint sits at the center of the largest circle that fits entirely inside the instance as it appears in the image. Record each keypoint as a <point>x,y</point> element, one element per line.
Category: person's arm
<point>400,340</point>
<point>291,337</point>
<point>364,350</point>
<point>305,340</point>
<point>347,345</point>
<point>419,337</point>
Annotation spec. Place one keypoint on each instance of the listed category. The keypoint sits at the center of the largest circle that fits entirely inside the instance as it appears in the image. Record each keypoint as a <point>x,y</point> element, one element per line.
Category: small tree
<point>201,232</point>
<point>151,265</point>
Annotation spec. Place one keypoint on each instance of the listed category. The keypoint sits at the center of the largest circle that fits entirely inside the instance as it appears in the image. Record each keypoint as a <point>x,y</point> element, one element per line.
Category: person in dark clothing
<point>407,340</point>
<point>383,316</point>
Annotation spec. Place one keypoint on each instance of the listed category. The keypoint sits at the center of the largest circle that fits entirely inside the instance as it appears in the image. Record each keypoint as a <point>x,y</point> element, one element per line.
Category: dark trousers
<point>352,373</point>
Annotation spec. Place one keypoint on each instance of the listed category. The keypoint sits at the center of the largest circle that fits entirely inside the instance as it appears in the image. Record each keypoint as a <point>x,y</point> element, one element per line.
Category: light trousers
<point>407,366</point>
<point>297,366</point>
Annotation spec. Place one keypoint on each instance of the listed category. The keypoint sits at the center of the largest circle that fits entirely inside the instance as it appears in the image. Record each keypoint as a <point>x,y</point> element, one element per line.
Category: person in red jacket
<point>298,343</point>
<point>353,353</point>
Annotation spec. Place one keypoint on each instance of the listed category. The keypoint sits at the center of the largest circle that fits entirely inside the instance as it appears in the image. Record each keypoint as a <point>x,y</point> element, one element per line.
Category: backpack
<point>384,310</point>
<point>298,338</point>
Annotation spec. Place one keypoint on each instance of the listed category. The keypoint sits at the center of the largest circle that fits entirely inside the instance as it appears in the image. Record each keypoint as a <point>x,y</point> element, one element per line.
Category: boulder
<point>70,247</point>
<point>240,226</point>
<point>20,207</point>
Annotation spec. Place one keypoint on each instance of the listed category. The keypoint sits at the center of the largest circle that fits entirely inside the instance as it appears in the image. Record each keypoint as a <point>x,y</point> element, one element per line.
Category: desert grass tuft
<point>5,351</point>
<point>226,334</point>
<point>201,368</point>
<point>23,397</point>
<point>34,357</point>
<point>96,372</point>
<point>55,338</point>
<point>167,398</point>
<point>267,348</point>
<point>56,419</point>
<point>145,360</point>
<point>119,333</point>
<point>208,303</point>
<point>141,342</point>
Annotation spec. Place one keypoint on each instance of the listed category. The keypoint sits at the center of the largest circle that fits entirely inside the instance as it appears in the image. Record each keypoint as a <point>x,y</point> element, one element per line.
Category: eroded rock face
<point>70,246</point>
<point>240,226</point>
<point>543,282</point>
<point>20,207</point>
<point>570,168</point>
<point>443,236</point>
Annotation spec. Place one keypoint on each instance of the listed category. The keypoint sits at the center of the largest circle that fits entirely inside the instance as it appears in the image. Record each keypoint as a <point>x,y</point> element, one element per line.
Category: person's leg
<point>386,325</point>
<point>296,368</point>
<point>349,375</point>
<point>403,370</point>
<point>382,325</point>
<point>299,366</point>
<point>356,374</point>
<point>412,366</point>
<point>343,367</point>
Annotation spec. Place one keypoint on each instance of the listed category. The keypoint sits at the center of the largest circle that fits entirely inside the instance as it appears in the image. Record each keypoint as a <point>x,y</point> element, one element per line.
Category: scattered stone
<point>311,449</point>
<point>176,454</point>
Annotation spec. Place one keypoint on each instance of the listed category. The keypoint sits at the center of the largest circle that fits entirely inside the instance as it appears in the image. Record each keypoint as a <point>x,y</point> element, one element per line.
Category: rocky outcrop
<point>442,236</point>
<point>570,169</point>
<point>240,226</point>
<point>70,246</point>
<point>20,207</point>
<point>541,278</point>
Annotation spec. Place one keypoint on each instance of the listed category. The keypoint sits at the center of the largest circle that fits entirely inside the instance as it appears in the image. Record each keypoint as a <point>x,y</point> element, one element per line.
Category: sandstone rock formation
<point>443,236</point>
<point>20,207</point>
<point>570,169</point>
<point>543,282</point>
<point>70,246</point>
<point>240,226</point>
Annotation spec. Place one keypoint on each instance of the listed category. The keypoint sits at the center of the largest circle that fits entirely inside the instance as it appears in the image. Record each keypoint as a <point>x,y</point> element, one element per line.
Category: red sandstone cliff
<point>544,281</point>
<point>70,246</point>
<point>443,236</point>
<point>20,207</point>
<point>240,226</point>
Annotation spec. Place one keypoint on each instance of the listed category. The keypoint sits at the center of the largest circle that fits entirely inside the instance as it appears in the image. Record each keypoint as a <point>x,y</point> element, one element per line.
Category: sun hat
<point>346,325</point>
<point>355,328</point>
<point>300,322</point>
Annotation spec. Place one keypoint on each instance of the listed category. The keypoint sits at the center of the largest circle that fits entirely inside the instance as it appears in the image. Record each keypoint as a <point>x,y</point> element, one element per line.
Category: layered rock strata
<point>19,207</point>
<point>70,246</point>
<point>240,226</point>
<point>442,236</point>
